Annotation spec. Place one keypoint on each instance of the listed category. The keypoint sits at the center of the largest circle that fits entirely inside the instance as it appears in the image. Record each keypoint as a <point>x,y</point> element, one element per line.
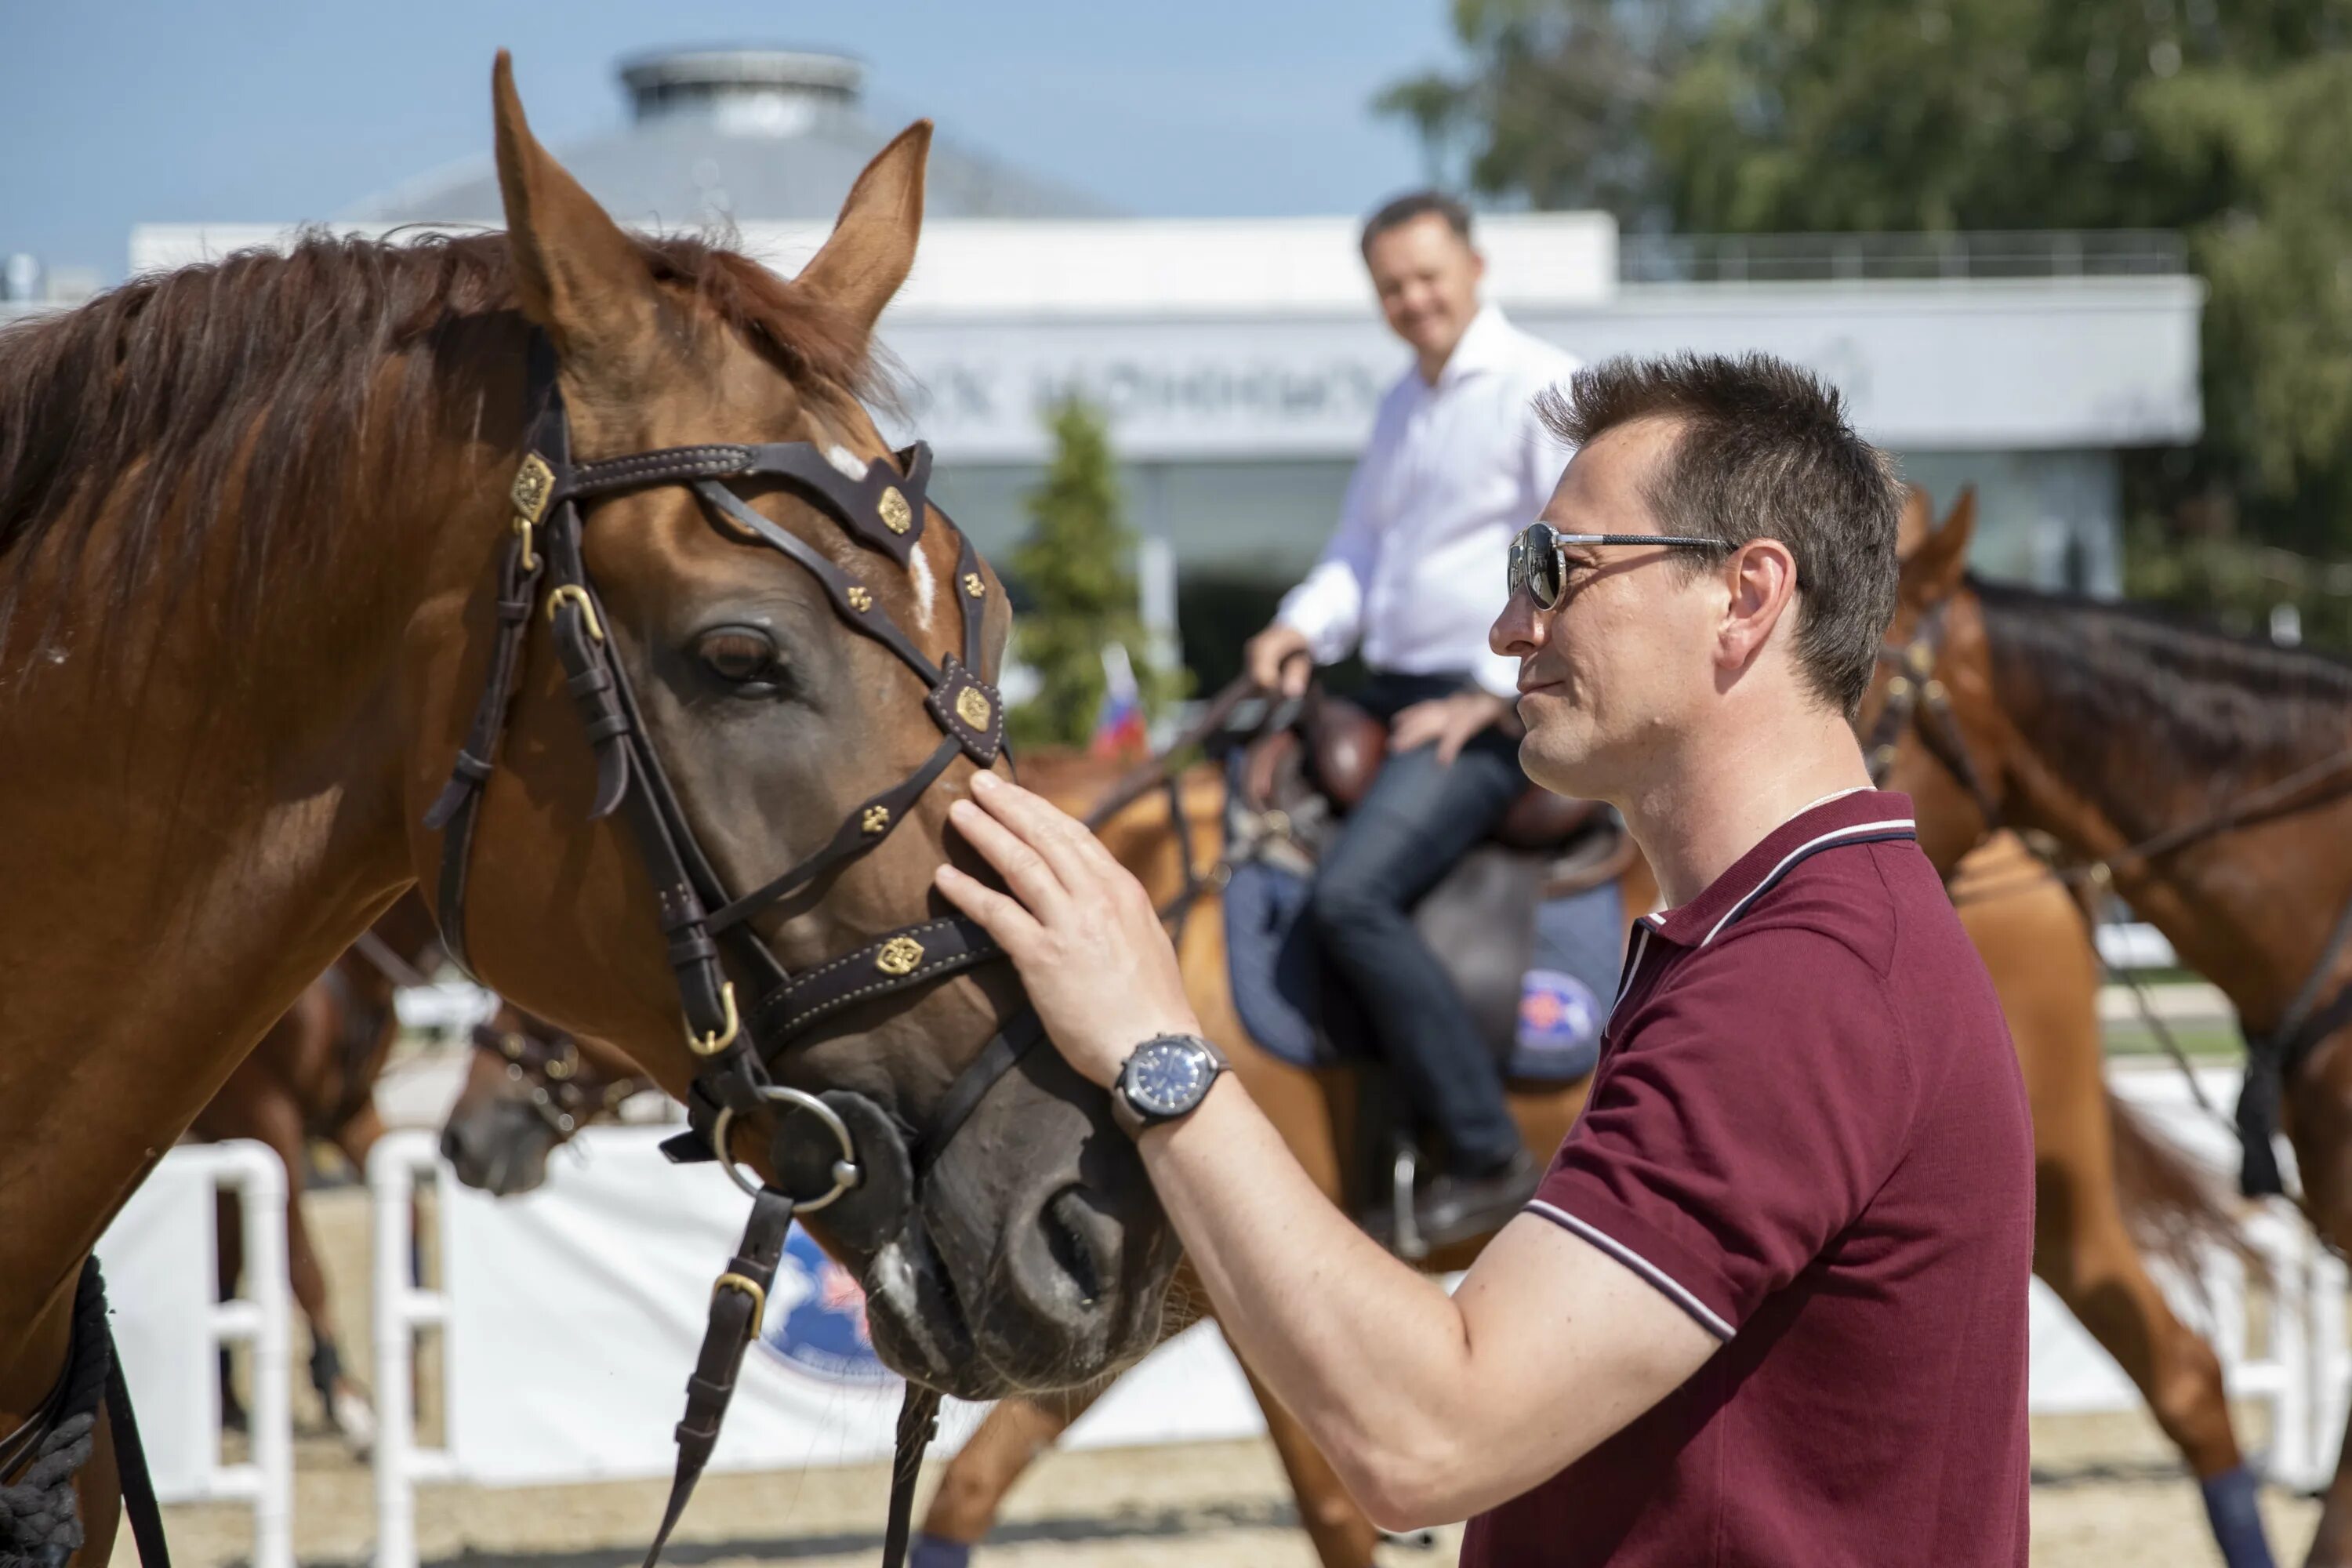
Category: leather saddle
<point>1334,749</point>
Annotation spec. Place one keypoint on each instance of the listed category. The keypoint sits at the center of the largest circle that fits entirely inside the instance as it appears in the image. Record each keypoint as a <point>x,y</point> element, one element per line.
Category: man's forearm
<point>1370,1355</point>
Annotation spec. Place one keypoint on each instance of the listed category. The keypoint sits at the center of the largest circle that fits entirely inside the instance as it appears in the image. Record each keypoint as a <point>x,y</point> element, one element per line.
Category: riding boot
<point>1453,1208</point>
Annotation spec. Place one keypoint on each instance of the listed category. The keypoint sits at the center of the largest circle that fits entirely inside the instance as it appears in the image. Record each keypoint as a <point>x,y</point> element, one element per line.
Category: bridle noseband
<point>859,1167</point>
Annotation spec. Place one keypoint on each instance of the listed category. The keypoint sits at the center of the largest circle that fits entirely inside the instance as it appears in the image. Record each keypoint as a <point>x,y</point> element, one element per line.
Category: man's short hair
<point>1401,211</point>
<point>1764,450</point>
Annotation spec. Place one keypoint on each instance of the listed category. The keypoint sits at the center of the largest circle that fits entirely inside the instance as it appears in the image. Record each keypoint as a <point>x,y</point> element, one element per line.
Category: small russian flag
<point>1119,733</point>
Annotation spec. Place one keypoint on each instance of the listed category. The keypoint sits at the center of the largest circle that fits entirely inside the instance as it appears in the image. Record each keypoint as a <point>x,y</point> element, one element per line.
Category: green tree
<point>1073,570</point>
<point>2229,121</point>
<point>1554,111</point>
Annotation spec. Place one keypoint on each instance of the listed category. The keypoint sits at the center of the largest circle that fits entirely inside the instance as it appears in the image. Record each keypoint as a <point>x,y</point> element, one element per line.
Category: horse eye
<point>739,655</point>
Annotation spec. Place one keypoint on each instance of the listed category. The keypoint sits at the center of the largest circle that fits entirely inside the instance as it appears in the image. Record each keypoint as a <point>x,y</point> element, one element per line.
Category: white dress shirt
<point>1413,575</point>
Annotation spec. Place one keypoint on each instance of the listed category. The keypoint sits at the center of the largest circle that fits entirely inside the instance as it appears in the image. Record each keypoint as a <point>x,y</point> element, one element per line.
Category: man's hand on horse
<point>1449,722</point>
<point>1077,925</point>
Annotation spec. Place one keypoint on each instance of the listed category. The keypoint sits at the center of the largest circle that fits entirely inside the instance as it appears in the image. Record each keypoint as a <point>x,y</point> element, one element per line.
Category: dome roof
<point>736,136</point>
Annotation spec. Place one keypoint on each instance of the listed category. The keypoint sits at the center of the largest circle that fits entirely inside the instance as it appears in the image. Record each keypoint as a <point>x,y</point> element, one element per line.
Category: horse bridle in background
<point>859,1167</point>
<point>1916,699</point>
<point>566,1092</point>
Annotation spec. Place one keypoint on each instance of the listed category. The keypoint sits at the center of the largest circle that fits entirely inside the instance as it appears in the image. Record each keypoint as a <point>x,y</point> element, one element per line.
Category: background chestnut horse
<point>248,517</point>
<point>312,1079</point>
<point>2098,1169</point>
<point>529,1089</point>
<point>2206,777</point>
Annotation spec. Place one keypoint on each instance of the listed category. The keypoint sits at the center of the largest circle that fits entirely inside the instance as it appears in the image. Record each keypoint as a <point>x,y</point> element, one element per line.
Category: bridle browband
<point>860,1167</point>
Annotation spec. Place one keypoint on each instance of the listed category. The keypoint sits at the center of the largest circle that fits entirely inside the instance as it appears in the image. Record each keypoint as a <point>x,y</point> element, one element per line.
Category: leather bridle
<point>566,1091</point>
<point>858,1165</point>
<point>1917,700</point>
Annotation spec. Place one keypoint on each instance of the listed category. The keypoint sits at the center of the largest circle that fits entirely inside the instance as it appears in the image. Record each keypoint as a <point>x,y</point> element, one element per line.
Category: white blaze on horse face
<point>850,466</point>
<point>919,566</point>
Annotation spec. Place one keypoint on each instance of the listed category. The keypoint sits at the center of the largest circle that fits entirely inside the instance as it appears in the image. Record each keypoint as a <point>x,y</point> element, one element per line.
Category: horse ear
<point>1919,519</point>
<point>1935,568</point>
<point>579,275</point>
<point>1963,515</point>
<point>872,246</point>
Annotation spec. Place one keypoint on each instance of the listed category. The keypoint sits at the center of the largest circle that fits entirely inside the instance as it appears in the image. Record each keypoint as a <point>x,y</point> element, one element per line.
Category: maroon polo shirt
<point>1808,1131</point>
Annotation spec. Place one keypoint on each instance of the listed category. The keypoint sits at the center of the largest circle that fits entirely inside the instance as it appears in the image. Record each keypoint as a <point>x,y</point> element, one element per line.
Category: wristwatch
<point>1165,1077</point>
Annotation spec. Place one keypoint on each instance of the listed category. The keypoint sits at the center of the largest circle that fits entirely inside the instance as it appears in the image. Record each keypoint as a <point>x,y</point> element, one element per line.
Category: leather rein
<point>834,1151</point>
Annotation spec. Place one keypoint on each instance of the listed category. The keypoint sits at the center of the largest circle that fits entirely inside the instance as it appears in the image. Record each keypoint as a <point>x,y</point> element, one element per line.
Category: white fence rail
<point>161,1261</point>
<point>403,1307</point>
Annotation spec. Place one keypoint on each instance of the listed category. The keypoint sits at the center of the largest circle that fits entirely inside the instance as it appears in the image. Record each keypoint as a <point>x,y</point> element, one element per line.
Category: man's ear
<point>1756,574</point>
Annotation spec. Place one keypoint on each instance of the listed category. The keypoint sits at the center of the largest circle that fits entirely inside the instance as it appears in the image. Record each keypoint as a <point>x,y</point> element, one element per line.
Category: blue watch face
<point>1167,1078</point>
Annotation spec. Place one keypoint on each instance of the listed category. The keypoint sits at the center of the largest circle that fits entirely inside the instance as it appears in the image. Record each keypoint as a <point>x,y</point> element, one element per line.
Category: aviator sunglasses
<point>1539,563</point>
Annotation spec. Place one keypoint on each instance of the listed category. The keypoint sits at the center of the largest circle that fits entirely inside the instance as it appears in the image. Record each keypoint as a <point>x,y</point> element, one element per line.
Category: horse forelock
<point>241,394</point>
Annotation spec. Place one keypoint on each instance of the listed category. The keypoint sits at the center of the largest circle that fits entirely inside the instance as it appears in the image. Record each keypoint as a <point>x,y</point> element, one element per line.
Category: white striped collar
<point>1849,816</point>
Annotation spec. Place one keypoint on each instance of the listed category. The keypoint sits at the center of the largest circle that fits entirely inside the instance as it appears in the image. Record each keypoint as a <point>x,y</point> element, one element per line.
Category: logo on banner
<point>816,1318</point>
<point>1557,1013</point>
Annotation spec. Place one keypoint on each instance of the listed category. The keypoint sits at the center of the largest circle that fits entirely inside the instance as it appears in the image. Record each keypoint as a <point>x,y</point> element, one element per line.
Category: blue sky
<point>117,112</point>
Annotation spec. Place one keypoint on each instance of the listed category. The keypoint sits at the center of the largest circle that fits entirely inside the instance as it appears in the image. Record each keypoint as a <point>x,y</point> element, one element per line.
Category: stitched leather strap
<point>901,960</point>
<point>919,1422</point>
<point>138,1486</point>
<point>852,601</point>
<point>999,1057</point>
<point>865,828</point>
<point>736,1303</point>
<point>882,507</point>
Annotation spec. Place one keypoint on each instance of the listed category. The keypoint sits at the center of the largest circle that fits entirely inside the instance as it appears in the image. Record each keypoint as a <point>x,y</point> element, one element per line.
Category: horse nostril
<point>1083,1242</point>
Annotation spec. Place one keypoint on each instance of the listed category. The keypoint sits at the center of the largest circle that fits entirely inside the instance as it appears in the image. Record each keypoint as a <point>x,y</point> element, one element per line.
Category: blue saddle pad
<point>1282,988</point>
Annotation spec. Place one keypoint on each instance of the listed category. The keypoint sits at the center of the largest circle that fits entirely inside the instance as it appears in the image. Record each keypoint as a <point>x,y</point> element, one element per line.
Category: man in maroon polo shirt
<point>1769,1305</point>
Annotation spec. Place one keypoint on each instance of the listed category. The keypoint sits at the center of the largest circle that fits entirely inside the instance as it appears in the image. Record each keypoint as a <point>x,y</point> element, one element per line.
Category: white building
<point>1240,359</point>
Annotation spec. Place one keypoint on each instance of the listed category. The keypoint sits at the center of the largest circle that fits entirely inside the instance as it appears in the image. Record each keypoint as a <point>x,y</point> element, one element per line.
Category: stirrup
<point>1404,1225</point>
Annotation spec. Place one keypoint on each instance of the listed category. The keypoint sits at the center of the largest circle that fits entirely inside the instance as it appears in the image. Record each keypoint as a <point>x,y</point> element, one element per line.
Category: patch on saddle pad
<point>1546,1028</point>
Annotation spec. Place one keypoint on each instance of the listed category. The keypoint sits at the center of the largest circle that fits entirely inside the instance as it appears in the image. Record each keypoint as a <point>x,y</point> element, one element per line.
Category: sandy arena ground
<point>2108,1492</point>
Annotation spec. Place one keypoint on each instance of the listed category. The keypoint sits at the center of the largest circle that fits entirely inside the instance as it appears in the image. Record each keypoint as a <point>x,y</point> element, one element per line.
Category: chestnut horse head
<point>529,1089</point>
<point>256,527</point>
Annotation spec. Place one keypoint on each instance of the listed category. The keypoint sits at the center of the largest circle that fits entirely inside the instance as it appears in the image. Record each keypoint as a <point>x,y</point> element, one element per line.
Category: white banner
<point>159,1281</point>
<point>575,1312</point>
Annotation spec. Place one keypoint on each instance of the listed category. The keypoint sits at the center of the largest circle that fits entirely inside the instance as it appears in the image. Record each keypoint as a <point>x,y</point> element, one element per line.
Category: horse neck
<point>201,821</point>
<point>2114,740</point>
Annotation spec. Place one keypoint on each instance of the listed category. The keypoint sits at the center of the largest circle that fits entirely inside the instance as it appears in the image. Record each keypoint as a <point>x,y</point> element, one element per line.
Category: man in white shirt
<point>1457,463</point>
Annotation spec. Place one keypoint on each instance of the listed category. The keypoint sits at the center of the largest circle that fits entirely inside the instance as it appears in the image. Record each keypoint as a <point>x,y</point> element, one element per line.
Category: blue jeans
<point>1418,820</point>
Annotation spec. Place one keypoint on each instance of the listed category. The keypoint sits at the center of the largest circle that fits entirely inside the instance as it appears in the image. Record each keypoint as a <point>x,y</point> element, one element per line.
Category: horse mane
<point>261,375</point>
<point>2187,705</point>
